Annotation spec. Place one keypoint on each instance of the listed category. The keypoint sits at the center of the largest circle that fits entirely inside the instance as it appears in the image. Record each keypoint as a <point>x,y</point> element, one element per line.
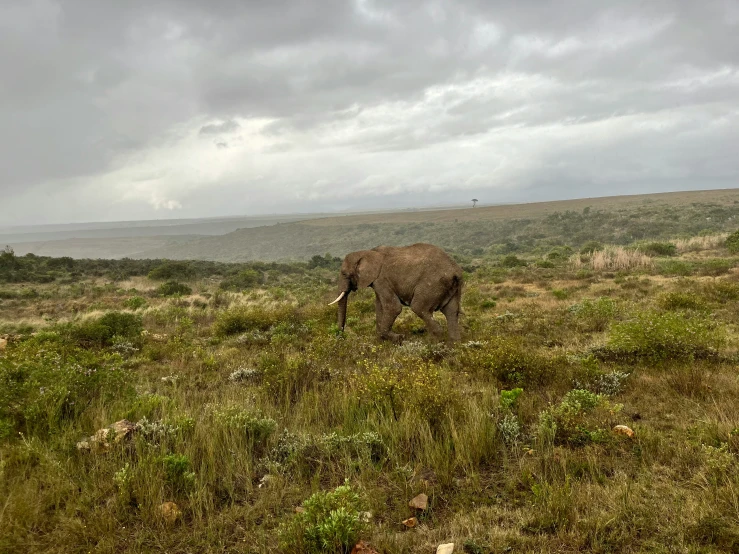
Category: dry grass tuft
<point>694,244</point>
<point>613,258</point>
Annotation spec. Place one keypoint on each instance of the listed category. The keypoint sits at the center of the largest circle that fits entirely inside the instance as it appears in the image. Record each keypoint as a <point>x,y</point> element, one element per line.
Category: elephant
<point>421,276</point>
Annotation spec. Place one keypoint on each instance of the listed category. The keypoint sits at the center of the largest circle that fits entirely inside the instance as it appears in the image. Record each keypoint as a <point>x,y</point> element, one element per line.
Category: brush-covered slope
<point>498,229</point>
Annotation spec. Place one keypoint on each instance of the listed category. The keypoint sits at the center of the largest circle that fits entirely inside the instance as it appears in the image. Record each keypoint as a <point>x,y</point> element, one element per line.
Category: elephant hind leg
<point>451,313</point>
<point>426,313</point>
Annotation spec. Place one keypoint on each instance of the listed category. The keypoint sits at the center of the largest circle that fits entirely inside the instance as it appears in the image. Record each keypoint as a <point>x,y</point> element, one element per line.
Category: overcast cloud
<point>116,110</point>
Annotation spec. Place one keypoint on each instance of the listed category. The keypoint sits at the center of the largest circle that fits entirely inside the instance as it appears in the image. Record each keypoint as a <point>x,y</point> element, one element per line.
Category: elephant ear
<point>368,268</point>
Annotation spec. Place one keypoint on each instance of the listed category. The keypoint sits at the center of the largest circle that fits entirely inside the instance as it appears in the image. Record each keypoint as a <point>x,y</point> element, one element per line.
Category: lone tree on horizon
<point>474,201</point>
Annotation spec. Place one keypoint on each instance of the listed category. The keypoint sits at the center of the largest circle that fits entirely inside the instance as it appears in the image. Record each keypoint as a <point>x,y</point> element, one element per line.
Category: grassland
<point>248,403</point>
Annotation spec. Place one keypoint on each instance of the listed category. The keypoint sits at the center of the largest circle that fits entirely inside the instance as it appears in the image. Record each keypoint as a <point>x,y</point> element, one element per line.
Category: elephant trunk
<point>341,320</point>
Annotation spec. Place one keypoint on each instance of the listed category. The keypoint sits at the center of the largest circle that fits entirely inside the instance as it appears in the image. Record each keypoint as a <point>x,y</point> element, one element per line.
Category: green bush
<point>172,270</point>
<point>254,426</point>
<point>101,332</point>
<point>654,337</point>
<point>594,315</point>
<point>177,472</point>
<point>512,363</point>
<point>422,387</point>
<point>674,268</point>
<point>135,302</point>
<point>241,319</point>
<point>581,417</point>
<point>173,288</point>
<point>732,242</point>
<point>244,280</point>
<point>715,267</point>
<point>591,246</point>
<point>45,384</point>
<point>680,301</point>
<point>659,249</point>
<point>331,522</point>
<point>512,261</point>
<point>508,398</point>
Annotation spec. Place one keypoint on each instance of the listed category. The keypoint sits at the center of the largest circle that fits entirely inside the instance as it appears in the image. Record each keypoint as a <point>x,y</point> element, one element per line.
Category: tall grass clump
<point>613,258</point>
<point>695,244</point>
<point>655,337</point>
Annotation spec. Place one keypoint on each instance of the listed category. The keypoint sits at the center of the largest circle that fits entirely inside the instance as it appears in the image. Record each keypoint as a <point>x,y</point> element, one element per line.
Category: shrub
<point>177,472</point>
<point>680,301</point>
<point>677,268</point>
<point>655,337</point>
<point>417,385</point>
<point>173,288</point>
<point>594,315</point>
<point>172,270</point>
<point>715,267</point>
<point>255,426</point>
<point>101,332</point>
<point>560,294</point>
<point>510,429</point>
<point>508,398</point>
<point>512,363</point>
<point>134,303</point>
<point>732,242</point>
<point>45,383</point>
<point>659,249</point>
<point>591,246</point>
<point>581,417</point>
<point>512,261</point>
<point>331,522</point>
<point>303,453</point>
<point>245,279</point>
<point>242,319</point>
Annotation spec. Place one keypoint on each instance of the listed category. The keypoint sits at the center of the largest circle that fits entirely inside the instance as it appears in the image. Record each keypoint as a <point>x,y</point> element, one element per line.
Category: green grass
<point>249,404</point>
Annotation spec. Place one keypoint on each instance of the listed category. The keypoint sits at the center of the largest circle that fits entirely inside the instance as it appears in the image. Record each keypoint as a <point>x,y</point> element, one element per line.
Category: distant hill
<point>474,231</point>
<point>496,229</point>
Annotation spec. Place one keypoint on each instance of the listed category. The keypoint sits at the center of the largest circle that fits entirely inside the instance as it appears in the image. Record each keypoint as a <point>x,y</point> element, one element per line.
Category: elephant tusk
<point>339,298</point>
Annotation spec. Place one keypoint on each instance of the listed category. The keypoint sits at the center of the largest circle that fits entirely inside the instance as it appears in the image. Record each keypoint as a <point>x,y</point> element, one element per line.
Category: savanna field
<point>248,423</point>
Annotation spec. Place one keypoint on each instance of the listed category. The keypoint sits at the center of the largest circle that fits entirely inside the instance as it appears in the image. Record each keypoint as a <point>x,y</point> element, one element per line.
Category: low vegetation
<point>205,407</point>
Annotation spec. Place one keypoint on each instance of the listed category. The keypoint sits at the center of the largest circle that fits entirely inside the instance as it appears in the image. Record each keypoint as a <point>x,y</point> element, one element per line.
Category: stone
<point>3,344</point>
<point>447,548</point>
<point>363,547</point>
<point>411,522</point>
<point>419,502</point>
<point>103,438</point>
<point>624,430</point>
<point>170,512</point>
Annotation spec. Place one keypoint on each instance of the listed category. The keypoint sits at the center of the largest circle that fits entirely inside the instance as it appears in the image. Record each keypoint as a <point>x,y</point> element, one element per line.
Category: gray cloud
<point>218,128</point>
<point>337,103</point>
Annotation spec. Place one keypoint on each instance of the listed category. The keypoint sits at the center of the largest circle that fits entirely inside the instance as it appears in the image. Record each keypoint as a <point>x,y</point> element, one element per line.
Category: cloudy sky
<point>116,110</point>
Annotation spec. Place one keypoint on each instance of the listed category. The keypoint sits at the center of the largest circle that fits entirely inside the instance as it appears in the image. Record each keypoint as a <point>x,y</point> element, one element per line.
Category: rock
<point>103,438</point>
<point>420,502</point>
<point>299,510</point>
<point>447,548</point>
<point>363,547</point>
<point>623,430</point>
<point>411,522</point>
<point>266,480</point>
<point>3,344</point>
<point>170,512</point>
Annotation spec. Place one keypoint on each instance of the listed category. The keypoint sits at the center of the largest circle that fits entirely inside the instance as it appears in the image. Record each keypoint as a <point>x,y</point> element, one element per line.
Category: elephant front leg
<point>451,313</point>
<point>386,312</point>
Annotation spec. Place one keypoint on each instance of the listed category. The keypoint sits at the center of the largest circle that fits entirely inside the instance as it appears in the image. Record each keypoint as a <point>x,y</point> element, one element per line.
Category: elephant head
<point>359,269</point>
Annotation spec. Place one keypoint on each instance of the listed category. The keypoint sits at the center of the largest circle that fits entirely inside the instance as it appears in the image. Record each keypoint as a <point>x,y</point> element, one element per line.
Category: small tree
<point>474,202</point>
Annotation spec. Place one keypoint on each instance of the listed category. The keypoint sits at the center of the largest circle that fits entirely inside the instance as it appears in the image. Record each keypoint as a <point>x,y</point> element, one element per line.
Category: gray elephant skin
<point>421,276</point>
